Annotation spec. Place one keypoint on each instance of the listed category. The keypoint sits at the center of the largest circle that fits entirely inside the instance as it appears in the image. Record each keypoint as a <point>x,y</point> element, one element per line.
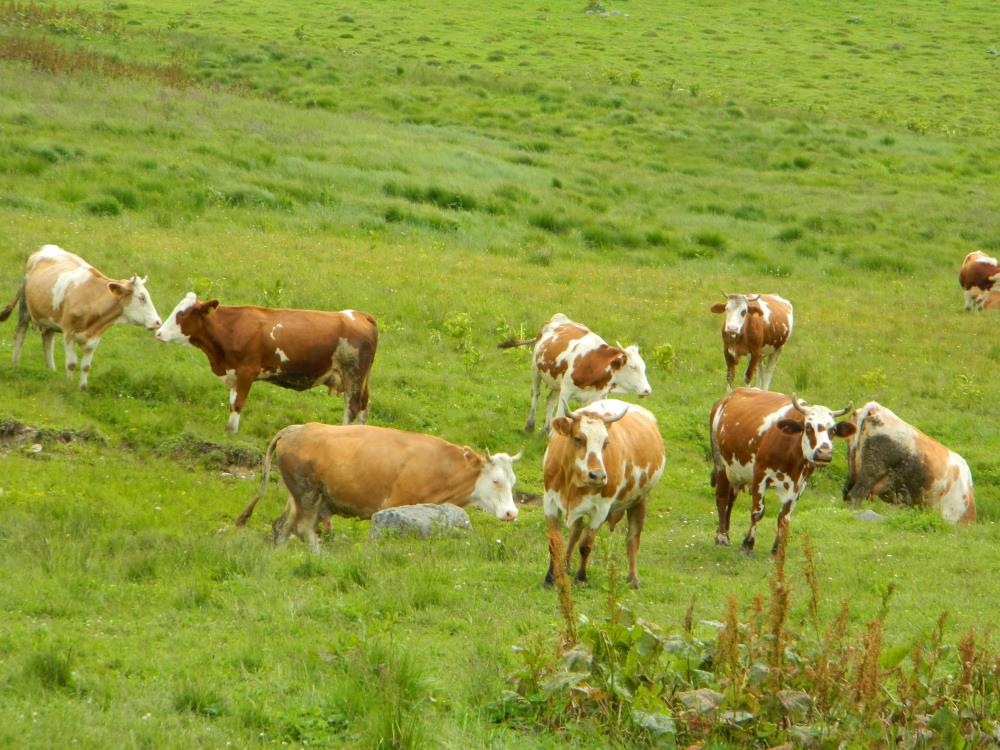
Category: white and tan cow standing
<point>978,275</point>
<point>758,325</point>
<point>62,292</point>
<point>577,364</point>
<point>761,440</point>
<point>891,459</point>
<point>297,349</point>
<point>601,463</point>
<point>358,470</point>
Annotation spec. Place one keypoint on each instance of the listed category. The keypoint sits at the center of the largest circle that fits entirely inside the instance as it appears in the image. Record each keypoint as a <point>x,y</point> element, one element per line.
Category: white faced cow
<point>297,349</point>
<point>601,463</point>
<point>978,275</point>
<point>358,470</point>
<point>889,458</point>
<point>62,292</point>
<point>576,363</point>
<point>758,325</point>
<point>761,440</point>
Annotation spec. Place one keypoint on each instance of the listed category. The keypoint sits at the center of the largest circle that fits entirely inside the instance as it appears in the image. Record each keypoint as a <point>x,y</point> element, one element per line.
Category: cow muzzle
<point>823,457</point>
<point>154,326</point>
<point>596,478</point>
<point>510,515</point>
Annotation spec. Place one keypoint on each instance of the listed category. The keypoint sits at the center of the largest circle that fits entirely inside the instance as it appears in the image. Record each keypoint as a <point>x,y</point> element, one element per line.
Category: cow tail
<point>512,342</point>
<point>19,297</point>
<point>265,474</point>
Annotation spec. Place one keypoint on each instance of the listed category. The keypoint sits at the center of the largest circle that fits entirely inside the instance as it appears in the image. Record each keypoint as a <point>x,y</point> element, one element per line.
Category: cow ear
<point>789,426</point>
<point>472,457</point>
<point>718,307</point>
<point>619,362</point>
<point>563,425</point>
<point>211,305</point>
<point>844,429</point>
<point>117,288</point>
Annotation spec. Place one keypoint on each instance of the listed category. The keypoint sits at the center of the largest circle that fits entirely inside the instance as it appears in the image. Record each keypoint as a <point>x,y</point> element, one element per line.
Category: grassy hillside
<point>461,176</point>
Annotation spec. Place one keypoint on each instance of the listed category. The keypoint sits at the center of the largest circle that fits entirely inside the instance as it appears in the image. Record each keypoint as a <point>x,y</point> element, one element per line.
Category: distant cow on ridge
<point>762,439</point>
<point>978,275</point>
<point>758,325</point>
<point>358,470</point>
<point>576,363</point>
<point>62,292</point>
<point>891,459</point>
<point>297,349</point>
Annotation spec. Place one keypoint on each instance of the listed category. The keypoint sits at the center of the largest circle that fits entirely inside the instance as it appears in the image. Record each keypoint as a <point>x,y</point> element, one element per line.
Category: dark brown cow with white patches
<point>758,325</point>
<point>601,463</point>
<point>761,439</point>
<point>978,275</point>
<point>297,349</point>
<point>577,364</point>
<point>62,292</point>
<point>357,470</point>
<point>894,460</point>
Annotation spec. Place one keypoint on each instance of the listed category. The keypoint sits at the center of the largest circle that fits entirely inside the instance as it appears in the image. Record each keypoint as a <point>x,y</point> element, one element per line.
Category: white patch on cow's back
<point>612,407</point>
<point>876,419</point>
<point>281,355</point>
<point>55,253</point>
<point>772,419</point>
<point>348,313</point>
<point>274,331</point>
<point>66,280</point>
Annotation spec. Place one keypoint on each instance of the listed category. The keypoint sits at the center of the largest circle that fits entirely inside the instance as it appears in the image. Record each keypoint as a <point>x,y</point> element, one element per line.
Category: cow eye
<point>578,440</point>
<point>743,313</point>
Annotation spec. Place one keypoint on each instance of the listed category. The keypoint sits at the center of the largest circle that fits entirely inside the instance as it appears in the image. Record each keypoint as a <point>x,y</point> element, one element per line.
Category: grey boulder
<point>419,520</point>
<point>870,516</point>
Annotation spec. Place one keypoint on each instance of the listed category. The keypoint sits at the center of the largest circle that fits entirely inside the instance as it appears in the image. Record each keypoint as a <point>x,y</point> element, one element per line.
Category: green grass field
<point>462,175</point>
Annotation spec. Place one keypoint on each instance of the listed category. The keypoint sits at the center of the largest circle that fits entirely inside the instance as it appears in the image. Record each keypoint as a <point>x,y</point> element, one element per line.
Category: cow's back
<point>778,320</point>
<point>552,354</point>
<point>363,469</point>
<point>53,282</point>
<point>741,419</point>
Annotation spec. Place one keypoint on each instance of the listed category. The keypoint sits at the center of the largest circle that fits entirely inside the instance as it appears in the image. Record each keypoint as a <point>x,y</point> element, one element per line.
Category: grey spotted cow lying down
<point>893,460</point>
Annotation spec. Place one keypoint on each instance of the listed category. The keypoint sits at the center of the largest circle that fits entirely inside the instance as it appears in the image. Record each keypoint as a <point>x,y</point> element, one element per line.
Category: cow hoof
<point>633,583</point>
<point>529,427</point>
<point>549,581</point>
<point>722,540</point>
<point>747,548</point>
<point>581,577</point>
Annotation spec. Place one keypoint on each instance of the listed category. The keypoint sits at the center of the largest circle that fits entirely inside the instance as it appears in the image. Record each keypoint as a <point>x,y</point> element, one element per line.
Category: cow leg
<point>767,372</point>
<point>553,405</point>
<point>49,347</point>
<point>752,369</point>
<point>586,547</point>
<point>574,536</point>
<point>725,496</point>
<point>552,522</point>
<point>969,298</point>
<point>88,356</point>
<point>306,520</point>
<point>756,513</point>
<point>282,525</point>
<point>731,363</point>
<point>237,398</point>
<point>536,387</point>
<point>69,347</point>
<point>784,519</point>
<point>636,520</point>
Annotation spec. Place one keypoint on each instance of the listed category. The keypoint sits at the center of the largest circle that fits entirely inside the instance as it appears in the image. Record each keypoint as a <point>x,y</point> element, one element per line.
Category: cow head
<point>185,319</point>
<point>737,307</point>
<point>587,434</point>
<point>139,309</point>
<point>629,373</point>
<point>494,490</point>
<point>817,431</point>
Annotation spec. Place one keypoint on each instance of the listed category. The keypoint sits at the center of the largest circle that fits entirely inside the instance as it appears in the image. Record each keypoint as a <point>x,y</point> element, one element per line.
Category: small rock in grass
<point>421,520</point>
<point>870,516</point>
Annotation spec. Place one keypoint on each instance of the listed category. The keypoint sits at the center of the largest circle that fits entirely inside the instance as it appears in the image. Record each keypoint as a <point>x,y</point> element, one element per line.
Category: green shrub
<point>103,205</point>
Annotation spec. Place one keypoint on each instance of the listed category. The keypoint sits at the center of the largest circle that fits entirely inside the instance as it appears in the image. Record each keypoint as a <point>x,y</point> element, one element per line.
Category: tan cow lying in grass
<point>62,292</point>
<point>358,470</point>
<point>892,459</point>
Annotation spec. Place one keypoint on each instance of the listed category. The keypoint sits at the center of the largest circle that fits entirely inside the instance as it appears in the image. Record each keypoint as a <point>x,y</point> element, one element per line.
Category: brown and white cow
<point>62,292</point>
<point>978,275</point>
<point>358,470</point>
<point>577,364</point>
<point>297,349</point>
<point>762,439</point>
<point>891,459</point>
<point>758,325</point>
<point>601,463</point>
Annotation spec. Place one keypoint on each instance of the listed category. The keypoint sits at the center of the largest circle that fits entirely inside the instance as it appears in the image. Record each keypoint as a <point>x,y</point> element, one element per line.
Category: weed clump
<point>103,205</point>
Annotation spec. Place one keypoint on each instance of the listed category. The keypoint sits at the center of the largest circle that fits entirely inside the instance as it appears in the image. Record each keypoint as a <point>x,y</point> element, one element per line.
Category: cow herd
<point>602,460</point>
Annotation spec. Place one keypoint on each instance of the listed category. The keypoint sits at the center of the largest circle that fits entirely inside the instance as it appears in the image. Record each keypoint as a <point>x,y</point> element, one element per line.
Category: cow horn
<point>488,456</point>
<point>842,412</point>
<point>725,296</point>
<point>753,297</point>
<point>570,414</point>
<point>799,406</point>
<point>517,456</point>
<point>619,345</point>
<point>615,419</point>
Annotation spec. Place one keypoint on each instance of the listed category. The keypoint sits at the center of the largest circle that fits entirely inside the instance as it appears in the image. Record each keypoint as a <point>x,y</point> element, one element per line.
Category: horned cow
<point>602,461</point>
<point>62,292</point>
<point>758,325</point>
<point>357,470</point>
<point>577,364</point>
<point>297,349</point>
<point>761,440</point>
<point>891,459</point>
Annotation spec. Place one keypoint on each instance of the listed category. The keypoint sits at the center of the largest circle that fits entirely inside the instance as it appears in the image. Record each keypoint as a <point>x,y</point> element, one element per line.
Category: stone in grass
<point>419,520</point>
<point>870,516</point>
